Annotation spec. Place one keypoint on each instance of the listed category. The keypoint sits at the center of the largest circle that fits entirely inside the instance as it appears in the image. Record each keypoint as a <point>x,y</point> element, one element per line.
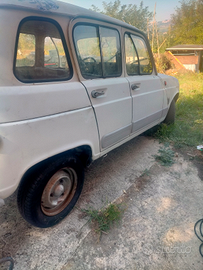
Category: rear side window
<point>137,56</point>
<point>98,50</point>
<point>41,54</point>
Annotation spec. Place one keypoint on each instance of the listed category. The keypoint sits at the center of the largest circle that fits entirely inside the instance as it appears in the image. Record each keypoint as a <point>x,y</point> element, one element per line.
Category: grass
<point>165,156</point>
<point>103,219</point>
<point>145,172</point>
<point>188,128</point>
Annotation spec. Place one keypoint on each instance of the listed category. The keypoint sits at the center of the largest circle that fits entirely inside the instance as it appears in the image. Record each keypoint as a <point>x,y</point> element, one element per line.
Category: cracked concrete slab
<point>155,232</point>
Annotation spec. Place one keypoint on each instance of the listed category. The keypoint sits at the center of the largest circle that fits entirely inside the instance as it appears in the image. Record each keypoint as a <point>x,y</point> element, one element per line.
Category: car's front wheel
<point>49,195</point>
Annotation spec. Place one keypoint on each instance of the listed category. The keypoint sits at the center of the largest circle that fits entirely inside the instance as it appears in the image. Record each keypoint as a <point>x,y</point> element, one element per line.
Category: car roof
<point>61,8</point>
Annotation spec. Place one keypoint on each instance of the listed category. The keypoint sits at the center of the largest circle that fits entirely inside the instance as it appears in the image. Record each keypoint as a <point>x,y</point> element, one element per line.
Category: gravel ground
<point>156,231</point>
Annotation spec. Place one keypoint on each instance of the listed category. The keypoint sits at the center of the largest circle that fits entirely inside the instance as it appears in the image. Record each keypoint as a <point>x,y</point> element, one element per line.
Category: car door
<point>98,52</point>
<point>146,87</point>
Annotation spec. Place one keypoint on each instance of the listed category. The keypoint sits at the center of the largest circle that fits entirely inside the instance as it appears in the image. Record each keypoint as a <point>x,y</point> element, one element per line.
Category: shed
<point>189,56</point>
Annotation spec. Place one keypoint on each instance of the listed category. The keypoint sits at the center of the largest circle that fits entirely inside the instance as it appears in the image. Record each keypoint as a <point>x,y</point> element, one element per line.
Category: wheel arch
<point>83,152</point>
<point>170,116</point>
<point>176,97</point>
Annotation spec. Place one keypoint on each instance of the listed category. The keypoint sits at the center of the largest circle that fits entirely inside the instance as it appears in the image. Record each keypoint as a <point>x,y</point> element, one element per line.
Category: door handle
<point>135,86</point>
<point>97,93</point>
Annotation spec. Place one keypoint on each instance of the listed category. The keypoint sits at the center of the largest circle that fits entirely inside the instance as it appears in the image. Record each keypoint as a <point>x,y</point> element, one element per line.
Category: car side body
<point>73,83</point>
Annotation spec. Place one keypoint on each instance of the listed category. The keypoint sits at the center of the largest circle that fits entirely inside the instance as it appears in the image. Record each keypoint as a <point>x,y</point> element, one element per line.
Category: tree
<point>187,23</point>
<point>131,14</point>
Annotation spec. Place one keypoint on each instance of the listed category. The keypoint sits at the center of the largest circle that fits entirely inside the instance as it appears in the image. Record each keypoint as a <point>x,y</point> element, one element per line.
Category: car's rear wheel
<point>49,195</point>
<point>170,119</point>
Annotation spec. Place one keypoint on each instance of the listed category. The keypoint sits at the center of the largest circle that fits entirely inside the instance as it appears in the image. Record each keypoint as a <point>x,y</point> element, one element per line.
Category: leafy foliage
<point>165,156</point>
<point>187,23</point>
<point>131,14</point>
<point>104,218</point>
<point>162,62</point>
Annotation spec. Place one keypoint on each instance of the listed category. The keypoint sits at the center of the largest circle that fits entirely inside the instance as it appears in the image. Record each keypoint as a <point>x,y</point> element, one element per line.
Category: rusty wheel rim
<point>59,191</point>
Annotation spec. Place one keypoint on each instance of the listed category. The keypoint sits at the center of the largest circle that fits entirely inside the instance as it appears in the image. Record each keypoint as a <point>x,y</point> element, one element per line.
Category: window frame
<point>67,55</point>
<point>148,50</point>
<point>98,26</point>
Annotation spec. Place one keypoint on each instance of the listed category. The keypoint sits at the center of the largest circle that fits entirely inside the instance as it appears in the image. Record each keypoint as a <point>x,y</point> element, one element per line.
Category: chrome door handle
<point>135,86</point>
<point>97,93</point>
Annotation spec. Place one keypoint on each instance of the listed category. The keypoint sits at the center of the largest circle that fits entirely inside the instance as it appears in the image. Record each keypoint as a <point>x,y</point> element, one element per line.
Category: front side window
<point>98,51</point>
<point>137,56</point>
<point>143,54</point>
<point>111,53</point>
<point>88,50</point>
<point>132,63</point>
<point>40,53</point>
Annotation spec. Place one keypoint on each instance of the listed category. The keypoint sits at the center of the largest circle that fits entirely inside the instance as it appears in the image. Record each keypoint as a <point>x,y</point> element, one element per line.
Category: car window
<point>98,51</point>
<point>40,53</point>
<point>137,56</point>
<point>132,62</point>
<point>143,54</point>
<point>88,50</point>
<point>111,52</point>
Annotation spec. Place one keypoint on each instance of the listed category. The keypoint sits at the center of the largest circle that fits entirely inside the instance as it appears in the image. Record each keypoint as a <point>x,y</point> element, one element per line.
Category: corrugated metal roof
<point>189,47</point>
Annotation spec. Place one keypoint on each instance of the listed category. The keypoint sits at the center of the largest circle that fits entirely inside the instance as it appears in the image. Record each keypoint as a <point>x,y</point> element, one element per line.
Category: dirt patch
<point>198,162</point>
<point>161,206</point>
<point>199,165</point>
<point>141,182</point>
<point>195,156</point>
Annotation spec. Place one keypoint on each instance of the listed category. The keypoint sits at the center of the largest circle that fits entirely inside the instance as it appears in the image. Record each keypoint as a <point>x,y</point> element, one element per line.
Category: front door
<point>98,50</point>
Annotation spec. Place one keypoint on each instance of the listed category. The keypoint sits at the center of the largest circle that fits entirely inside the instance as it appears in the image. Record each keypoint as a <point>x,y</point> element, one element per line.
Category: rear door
<point>99,59</point>
<point>146,87</point>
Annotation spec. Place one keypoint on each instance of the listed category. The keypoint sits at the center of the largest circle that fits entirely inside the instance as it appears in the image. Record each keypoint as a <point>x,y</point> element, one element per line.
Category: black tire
<point>50,194</point>
<point>170,117</point>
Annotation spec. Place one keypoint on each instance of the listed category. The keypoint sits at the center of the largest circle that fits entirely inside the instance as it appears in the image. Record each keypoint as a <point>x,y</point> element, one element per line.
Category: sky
<point>164,8</point>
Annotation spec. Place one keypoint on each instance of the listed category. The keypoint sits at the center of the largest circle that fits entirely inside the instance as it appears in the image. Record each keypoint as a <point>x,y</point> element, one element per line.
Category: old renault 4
<point>74,84</point>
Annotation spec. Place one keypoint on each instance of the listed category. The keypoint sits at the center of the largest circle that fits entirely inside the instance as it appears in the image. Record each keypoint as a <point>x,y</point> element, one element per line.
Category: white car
<point>99,90</point>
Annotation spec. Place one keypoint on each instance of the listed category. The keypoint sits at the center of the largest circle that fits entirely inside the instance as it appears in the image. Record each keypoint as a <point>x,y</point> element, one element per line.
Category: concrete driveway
<point>155,232</point>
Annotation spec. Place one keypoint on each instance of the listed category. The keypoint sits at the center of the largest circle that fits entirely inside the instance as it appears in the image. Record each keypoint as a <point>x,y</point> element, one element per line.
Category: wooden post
<point>157,38</point>
<point>153,28</point>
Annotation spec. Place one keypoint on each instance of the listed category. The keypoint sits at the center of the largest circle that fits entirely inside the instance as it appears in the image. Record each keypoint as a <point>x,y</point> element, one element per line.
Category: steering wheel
<point>89,64</point>
<point>89,58</point>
